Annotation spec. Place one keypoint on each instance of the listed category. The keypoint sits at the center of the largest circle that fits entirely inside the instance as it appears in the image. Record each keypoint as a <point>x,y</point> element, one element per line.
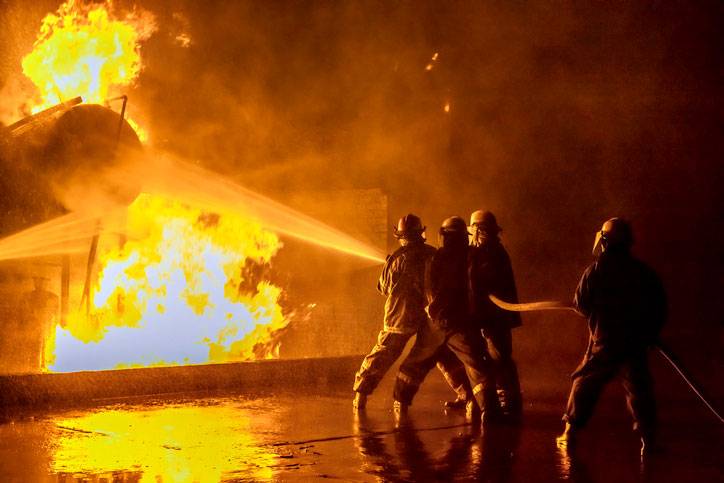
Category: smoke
<point>560,116</point>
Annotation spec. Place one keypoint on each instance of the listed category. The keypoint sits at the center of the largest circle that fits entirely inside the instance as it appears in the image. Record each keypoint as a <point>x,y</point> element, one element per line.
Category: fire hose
<point>665,352</point>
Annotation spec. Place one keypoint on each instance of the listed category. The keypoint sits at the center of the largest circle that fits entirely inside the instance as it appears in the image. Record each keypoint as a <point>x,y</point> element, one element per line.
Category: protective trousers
<point>467,345</point>
<point>500,348</point>
<point>598,368</point>
<point>454,373</point>
<point>388,349</point>
<point>375,365</point>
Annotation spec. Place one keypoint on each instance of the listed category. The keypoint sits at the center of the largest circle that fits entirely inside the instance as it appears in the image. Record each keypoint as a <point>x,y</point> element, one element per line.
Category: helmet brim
<point>597,242</point>
<point>407,233</point>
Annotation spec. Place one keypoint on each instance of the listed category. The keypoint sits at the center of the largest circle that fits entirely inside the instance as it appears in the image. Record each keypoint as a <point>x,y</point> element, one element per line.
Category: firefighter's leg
<point>500,347</point>
<point>388,348</point>
<point>638,384</point>
<point>417,364</point>
<point>469,347</point>
<point>454,372</point>
<point>588,382</point>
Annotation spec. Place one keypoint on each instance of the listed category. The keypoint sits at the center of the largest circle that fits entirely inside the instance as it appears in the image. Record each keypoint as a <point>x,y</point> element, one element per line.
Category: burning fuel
<point>85,50</point>
<point>179,291</point>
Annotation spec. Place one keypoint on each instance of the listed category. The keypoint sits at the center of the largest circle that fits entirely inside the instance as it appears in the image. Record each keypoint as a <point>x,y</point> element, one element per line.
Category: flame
<point>184,289</point>
<point>84,50</point>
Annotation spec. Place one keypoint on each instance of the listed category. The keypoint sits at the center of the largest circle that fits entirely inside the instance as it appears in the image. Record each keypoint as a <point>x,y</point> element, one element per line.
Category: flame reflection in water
<point>169,443</point>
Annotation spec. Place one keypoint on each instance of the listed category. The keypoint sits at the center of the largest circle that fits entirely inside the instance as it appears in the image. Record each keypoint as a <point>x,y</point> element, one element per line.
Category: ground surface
<point>281,435</point>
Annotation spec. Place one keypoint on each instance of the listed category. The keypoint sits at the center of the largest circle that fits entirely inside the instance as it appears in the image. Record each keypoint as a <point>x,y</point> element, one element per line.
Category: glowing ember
<point>184,289</point>
<point>430,66</point>
<point>82,50</point>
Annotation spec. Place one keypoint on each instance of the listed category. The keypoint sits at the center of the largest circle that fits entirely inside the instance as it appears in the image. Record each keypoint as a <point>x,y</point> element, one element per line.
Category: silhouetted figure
<point>491,273</point>
<point>40,312</point>
<point>449,326</point>
<point>402,282</point>
<point>625,304</point>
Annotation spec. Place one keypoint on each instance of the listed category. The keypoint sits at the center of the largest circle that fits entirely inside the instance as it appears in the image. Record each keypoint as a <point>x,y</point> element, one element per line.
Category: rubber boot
<point>568,438</point>
<point>458,403</point>
<point>472,412</point>
<point>360,401</point>
<point>649,444</point>
<point>399,410</point>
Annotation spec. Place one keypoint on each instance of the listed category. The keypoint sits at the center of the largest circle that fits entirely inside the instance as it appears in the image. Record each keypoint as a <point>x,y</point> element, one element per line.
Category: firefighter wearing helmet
<point>402,282</point>
<point>491,273</point>
<point>446,288</point>
<point>625,304</point>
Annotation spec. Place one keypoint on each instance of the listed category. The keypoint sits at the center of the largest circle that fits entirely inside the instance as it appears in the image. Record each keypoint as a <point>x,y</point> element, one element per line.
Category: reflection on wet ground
<point>308,437</point>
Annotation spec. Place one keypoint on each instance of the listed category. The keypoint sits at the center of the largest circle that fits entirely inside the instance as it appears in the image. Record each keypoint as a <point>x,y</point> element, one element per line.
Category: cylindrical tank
<point>67,158</point>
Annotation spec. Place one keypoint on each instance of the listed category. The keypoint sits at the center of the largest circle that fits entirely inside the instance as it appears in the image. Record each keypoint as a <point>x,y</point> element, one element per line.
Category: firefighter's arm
<point>390,275</point>
<point>582,298</point>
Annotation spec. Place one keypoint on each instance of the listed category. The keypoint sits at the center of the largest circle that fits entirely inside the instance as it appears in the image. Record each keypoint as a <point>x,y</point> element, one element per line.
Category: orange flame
<point>83,50</point>
<point>181,291</point>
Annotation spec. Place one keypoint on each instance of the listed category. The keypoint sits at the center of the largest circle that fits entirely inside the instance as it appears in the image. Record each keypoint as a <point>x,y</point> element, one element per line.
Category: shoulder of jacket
<point>429,249</point>
<point>503,252</point>
<point>595,266</point>
<point>396,254</point>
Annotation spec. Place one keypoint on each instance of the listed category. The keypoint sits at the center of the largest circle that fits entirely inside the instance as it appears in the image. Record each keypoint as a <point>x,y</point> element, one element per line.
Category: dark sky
<point>562,114</point>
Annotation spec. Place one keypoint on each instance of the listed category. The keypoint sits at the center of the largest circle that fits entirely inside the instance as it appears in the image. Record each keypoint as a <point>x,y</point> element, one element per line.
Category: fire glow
<point>83,50</point>
<point>181,282</point>
<point>179,291</point>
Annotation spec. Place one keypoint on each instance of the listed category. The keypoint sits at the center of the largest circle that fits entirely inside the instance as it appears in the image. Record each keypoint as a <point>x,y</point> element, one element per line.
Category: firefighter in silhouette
<point>40,312</point>
<point>625,304</point>
<point>491,273</point>
<point>449,326</point>
<point>402,282</point>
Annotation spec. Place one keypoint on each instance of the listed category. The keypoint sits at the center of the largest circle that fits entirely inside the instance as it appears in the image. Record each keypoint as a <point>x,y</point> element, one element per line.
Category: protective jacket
<point>402,281</point>
<point>624,302</point>
<point>447,288</point>
<point>490,272</point>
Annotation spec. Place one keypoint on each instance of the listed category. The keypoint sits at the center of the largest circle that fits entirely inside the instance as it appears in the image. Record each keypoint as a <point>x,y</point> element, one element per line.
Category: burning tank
<point>66,158</point>
<point>48,159</point>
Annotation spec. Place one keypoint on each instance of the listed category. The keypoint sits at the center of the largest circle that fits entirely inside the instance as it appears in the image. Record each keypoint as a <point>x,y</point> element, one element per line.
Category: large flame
<point>186,288</point>
<point>84,50</point>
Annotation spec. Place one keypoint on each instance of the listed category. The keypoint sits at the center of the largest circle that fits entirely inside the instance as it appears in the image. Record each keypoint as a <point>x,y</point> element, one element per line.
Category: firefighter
<point>625,304</point>
<point>449,327</point>
<point>40,313</point>
<point>401,281</point>
<point>491,273</point>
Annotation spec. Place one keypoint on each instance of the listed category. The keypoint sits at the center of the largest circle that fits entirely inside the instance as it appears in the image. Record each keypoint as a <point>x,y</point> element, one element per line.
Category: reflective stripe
<point>399,330</point>
<point>405,378</point>
<point>477,389</point>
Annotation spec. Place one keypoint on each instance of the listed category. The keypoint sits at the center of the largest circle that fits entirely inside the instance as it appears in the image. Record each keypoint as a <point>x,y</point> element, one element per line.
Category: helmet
<point>454,232</point>
<point>484,221</point>
<point>615,232</point>
<point>454,224</point>
<point>409,226</point>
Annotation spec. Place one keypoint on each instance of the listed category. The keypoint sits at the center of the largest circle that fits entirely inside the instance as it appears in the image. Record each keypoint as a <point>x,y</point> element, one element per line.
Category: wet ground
<point>285,436</point>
